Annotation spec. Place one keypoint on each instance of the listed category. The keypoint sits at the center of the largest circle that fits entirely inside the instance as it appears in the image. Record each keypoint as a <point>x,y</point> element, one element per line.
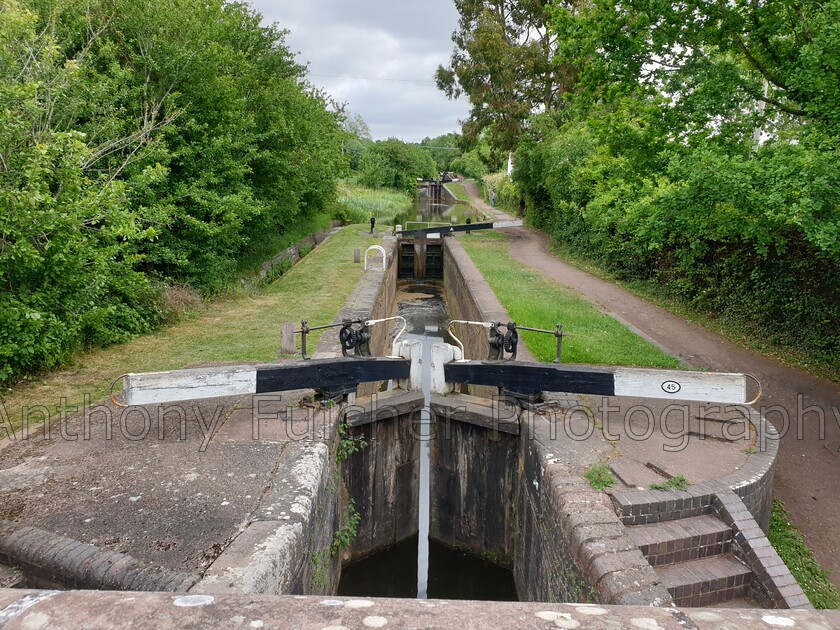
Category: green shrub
<point>751,238</point>
<point>506,192</point>
<point>678,482</point>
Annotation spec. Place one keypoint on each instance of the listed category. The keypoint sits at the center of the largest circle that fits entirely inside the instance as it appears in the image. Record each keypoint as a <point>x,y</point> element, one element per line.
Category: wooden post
<point>288,343</point>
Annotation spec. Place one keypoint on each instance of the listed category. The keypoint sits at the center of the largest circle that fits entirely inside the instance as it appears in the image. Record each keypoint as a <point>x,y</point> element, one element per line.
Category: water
<point>426,211</point>
<point>419,567</point>
<point>453,574</point>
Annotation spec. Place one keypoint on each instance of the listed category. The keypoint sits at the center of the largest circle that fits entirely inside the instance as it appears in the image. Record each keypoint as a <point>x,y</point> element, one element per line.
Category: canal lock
<point>398,550</point>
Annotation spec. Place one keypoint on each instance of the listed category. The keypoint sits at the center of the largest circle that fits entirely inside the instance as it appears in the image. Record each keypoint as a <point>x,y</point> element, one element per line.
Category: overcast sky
<point>378,57</point>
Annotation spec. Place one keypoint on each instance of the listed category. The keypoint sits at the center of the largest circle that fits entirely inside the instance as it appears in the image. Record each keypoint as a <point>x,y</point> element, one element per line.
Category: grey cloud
<point>378,57</point>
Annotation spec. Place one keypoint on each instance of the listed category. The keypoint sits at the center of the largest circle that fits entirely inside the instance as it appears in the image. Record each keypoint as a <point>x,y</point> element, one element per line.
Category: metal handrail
<point>305,329</point>
<point>464,321</point>
<point>371,322</point>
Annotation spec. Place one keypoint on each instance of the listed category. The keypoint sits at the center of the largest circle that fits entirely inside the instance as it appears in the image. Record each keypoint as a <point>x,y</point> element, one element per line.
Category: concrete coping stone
<point>27,608</point>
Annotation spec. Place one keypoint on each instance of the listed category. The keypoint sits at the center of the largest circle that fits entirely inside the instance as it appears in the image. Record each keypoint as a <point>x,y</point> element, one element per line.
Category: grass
<point>679,482</point>
<point>599,476</point>
<point>790,545</point>
<point>360,203</point>
<point>538,302</point>
<point>243,329</point>
<point>459,191</point>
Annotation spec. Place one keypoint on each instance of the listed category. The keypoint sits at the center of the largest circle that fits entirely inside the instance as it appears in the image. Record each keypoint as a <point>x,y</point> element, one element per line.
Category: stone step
<point>681,540</point>
<point>706,582</point>
<point>740,602</point>
<point>722,429</point>
<point>634,474</point>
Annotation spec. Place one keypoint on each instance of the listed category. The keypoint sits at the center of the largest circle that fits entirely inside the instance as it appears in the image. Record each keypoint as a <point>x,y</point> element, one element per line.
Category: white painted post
<point>379,248</point>
<point>412,349</point>
<point>443,353</point>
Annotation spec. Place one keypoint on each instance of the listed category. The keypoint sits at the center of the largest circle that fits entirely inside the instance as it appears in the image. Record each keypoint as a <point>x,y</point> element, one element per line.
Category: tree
<point>143,142</point>
<point>393,163</point>
<point>502,62</point>
<point>67,239</point>
<point>357,138</point>
<point>354,124</point>
<point>443,149</point>
<point>715,61</point>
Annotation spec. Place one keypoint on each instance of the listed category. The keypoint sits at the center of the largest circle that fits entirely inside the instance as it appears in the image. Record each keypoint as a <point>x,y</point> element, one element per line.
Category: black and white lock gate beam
<point>437,232</point>
<point>530,378</point>
<point>163,387</point>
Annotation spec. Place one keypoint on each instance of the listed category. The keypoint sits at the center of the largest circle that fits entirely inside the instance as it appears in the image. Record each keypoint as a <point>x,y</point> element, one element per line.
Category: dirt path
<point>805,409</point>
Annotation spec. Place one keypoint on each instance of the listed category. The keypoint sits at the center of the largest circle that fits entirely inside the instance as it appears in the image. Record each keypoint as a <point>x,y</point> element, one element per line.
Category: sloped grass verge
<point>536,301</point>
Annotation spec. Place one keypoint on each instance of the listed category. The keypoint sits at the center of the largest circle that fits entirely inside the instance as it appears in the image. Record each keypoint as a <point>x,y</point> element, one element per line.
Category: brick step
<point>706,582</point>
<point>682,540</point>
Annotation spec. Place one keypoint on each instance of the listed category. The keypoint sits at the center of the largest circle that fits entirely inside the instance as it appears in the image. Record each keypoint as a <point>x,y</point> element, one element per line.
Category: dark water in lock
<point>419,567</point>
<point>453,574</point>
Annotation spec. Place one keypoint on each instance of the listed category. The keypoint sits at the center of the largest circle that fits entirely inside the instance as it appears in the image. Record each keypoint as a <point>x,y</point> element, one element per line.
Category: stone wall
<point>470,298</point>
<point>20,608</point>
<point>373,297</point>
<point>48,560</point>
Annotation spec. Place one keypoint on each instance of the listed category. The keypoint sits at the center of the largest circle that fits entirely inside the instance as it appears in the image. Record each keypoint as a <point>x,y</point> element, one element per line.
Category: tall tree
<point>502,61</point>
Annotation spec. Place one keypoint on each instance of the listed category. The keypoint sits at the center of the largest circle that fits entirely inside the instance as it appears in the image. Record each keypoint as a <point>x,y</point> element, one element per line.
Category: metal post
<point>303,330</point>
<point>559,334</point>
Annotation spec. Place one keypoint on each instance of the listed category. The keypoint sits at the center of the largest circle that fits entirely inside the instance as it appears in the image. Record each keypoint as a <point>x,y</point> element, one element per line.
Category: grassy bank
<point>241,329</point>
<point>356,204</point>
<point>536,301</point>
<point>459,191</point>
<point>790,545</point>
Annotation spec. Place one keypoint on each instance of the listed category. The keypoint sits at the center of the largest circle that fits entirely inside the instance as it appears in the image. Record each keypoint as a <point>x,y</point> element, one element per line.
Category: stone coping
<point>84,609</point>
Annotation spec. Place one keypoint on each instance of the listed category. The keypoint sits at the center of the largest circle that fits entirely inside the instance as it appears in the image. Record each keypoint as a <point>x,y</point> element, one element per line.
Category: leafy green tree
<point>776,61</point>
<point>443,149</point>
<point>503,61</point>
<point>67,239</point>
<point>169,138</point>
<point>470,165</point>
<point>395,164</point>
<point>356,140</point>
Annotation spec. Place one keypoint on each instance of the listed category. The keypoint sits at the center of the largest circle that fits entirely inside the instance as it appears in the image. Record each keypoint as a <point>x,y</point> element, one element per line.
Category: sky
<point>378,57</point>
